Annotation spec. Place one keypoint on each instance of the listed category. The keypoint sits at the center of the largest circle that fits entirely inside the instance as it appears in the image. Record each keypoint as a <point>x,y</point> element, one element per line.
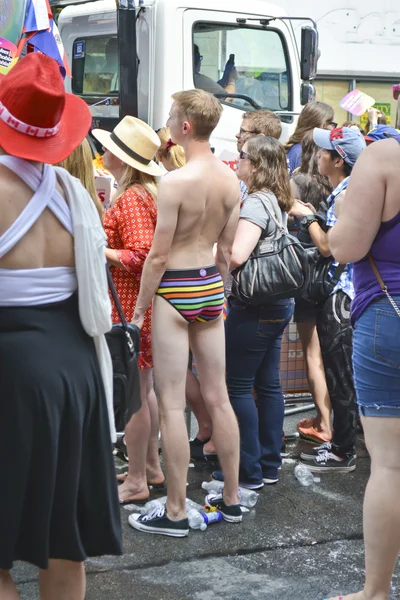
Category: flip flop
<point>132,501</point>
<point>156,486</point>
<point>310,433</point>
<point>307,422</point>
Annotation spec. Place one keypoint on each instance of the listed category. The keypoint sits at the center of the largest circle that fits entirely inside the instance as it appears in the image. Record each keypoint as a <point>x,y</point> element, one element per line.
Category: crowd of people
<point>178,223</point>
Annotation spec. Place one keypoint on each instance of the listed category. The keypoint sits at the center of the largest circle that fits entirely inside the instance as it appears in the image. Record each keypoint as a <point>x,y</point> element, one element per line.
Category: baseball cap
<point>347,141</point>
<point>381,132</point>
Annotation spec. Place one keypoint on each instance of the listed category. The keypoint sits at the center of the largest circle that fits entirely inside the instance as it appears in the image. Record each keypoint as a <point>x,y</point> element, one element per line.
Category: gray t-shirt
<point>253,210</point>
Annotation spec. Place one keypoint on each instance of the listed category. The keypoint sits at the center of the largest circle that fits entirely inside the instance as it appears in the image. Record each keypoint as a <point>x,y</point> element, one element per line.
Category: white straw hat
<point>134,142</point>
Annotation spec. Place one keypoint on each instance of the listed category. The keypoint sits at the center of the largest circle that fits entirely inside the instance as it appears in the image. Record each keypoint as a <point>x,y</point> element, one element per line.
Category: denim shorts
<point>376,360</point>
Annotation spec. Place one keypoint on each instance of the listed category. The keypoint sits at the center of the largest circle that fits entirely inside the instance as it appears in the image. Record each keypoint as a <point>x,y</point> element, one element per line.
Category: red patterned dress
<point>130,225</point>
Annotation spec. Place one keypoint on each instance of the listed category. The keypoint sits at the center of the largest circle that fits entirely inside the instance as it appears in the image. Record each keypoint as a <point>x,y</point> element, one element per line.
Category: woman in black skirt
<point>58,500</point>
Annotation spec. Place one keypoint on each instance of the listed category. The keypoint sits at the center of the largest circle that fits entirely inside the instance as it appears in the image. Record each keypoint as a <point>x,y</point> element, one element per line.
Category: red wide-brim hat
<point>39,121</point>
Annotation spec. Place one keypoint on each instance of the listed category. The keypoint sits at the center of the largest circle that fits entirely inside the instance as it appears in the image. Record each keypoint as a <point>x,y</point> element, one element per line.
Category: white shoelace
<point>156,513</point>
<point>325,456</point>
<point>325,446</point>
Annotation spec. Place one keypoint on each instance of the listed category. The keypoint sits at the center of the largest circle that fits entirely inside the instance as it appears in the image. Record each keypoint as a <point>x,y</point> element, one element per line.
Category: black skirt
<point>58,490</point>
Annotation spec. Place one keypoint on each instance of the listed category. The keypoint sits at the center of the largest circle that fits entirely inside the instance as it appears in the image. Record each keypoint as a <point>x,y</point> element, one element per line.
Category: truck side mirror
<point>307,93</point>
<point>309,53</point>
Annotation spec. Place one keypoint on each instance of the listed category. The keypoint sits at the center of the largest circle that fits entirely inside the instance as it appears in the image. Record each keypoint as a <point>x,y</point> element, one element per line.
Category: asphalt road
<point>297,543</point>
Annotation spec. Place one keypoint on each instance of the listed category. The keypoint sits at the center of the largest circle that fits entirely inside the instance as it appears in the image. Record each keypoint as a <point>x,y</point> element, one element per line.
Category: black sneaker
<point>249,485</point>
<point>326,461</point>
<point>159,522</point>
<point>314,452</point>
<point>232,513</point>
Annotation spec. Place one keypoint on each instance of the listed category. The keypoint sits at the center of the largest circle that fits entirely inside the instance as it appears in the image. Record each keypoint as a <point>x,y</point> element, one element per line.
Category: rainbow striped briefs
<point>197,294</point>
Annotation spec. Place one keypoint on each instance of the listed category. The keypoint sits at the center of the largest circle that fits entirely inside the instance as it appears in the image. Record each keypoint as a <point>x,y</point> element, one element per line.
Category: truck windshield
<point>246,61</point>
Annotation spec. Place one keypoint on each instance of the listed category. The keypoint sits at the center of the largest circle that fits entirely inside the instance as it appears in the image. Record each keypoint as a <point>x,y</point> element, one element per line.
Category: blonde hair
<point>314,114</point>
<point>174,154</point>
<point>269,158</point>
<point>80,165</point>
<point>131,177</point>
<point>201,109</point>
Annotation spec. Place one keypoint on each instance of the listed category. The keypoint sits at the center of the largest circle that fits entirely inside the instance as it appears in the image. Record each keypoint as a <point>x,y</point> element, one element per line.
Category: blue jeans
<point>253,349</point>
<point>376,357</point>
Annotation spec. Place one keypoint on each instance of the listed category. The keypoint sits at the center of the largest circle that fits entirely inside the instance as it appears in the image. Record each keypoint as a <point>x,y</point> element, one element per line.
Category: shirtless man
<point>197,205</point>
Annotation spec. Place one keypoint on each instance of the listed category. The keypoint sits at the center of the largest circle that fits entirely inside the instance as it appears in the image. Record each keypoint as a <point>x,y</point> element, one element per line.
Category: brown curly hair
<point>269,157</point>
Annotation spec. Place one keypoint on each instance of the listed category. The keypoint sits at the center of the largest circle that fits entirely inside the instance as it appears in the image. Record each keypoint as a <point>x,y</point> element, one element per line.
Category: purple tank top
<point>385,251</point>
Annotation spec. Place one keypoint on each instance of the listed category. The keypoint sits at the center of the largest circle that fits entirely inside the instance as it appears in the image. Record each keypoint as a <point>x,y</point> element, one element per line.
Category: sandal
<point>312,434</point>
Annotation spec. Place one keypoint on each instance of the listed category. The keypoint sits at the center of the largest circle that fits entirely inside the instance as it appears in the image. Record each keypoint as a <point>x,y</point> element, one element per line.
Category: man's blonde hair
<point>201,109</point>
<point>264,121</point>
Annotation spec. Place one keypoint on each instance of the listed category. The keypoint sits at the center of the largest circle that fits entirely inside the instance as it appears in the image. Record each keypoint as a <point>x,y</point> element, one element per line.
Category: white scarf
<point>90,263</point>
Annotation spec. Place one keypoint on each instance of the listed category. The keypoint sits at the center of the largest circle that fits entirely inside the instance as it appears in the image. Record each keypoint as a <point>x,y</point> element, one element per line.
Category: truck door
<point>262,57</point>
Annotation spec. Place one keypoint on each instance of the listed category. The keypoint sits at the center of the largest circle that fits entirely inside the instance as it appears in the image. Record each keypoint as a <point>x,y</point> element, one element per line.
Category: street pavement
<point>297,543</point>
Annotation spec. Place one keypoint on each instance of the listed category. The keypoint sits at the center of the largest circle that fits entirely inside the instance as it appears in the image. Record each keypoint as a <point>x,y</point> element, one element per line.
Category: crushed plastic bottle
<point>153,504</point>
<point>196,520</point>
<point>248,498</point>
<point>213,486</point>
<point>304,475</point>
<point>190,505</point>
<point>159,502</point>
<point>200,521</point>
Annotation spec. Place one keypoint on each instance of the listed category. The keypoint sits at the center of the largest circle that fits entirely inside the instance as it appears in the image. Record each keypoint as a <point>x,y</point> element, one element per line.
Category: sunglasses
<point>244,155</point>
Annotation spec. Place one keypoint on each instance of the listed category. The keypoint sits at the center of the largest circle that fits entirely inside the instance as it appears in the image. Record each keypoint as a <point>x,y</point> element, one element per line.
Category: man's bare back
<point>208,193</point>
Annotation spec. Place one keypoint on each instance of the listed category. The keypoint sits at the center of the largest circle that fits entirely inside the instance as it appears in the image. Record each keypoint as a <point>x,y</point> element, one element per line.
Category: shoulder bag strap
<point>279,224</point>
<point>382,285</point>
<point>115,298</point>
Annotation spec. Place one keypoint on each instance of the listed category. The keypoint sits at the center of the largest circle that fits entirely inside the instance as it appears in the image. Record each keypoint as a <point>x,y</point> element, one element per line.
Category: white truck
<point>131,59</point>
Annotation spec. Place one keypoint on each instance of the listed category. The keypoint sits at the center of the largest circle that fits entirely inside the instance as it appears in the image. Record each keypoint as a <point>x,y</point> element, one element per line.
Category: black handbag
<point>320,284</point>
<point>124,343</point>
<point>277,268</point>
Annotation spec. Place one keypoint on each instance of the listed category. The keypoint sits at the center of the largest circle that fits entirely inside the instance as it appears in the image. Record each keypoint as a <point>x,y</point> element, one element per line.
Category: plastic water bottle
<point>153,504</point>
<point>190,505</point>
<point>196,520</point>
<point>247,498</point>
<point>304,475</point>
<point>213,486</point>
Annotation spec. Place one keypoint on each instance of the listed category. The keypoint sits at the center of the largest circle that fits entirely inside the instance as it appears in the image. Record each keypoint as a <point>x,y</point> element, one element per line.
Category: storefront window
<point>331,92</point>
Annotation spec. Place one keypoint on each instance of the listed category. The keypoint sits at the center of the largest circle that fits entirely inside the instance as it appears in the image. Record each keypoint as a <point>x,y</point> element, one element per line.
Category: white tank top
<point>30,287</point>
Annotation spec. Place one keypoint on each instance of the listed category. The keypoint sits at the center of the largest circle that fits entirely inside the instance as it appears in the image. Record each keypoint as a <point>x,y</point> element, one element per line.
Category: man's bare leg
<point>207,341</point>
<point>170,352</point>
<point>153,467</point>
<point>63,580</point>
<point>8,589</point>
